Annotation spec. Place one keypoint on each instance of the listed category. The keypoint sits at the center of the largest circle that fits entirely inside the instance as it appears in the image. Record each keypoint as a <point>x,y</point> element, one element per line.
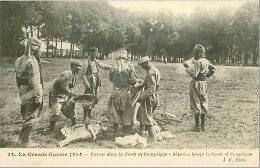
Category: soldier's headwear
<point>143,60</point>
<point>121,54</point>
<point>93,50</point>
<point>34,42</point>
<point>77,63</point>
<point>200,50</point>
<point>31,42</point>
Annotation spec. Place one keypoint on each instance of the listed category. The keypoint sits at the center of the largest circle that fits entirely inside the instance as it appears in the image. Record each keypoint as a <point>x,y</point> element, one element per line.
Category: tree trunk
<point>15,49</point>
<point>61,52</point>
<point>70,50</point>
<point>38,31</point>
<point>246,58</point>
<point>52,48</point>
<point>31,30</point>
<point>56,44</point>
<point>48,41</point>
<point>255,55</point>
<point>73,50</point>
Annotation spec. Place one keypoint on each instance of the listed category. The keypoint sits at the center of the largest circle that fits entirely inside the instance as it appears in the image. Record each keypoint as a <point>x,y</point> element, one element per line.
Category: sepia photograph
<point>143,76</point>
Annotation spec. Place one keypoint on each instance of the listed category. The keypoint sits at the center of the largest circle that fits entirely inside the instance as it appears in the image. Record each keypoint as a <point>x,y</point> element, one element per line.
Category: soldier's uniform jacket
<point>28,78</point>
<point>151,83</point>
<point>198,69</point>
<point>90,69</point>
<point>149,98</point>
<point>62,87</point>
<point>122,80</point>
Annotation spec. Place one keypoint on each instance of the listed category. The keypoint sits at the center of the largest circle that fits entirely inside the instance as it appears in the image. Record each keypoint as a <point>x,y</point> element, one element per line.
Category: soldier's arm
<point>65,81</point>
<point>84,75</point>
<point>111,75</point>
<point>103,66</point>
<point>151,87</point>
<point>133,69</point>
<point>211,71</point>
<point>132,77</point>
<point>34,81</point>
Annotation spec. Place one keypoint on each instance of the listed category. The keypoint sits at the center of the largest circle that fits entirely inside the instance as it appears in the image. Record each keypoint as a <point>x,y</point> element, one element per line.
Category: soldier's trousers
<point>198,97</point>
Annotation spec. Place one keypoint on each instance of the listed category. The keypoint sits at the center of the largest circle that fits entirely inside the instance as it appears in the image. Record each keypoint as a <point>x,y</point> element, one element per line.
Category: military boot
<point>74,121</point>
<point>128,130</point>
<point>197,123</point>
<point>141,130</point>
<point>151,134</point>
<point>21,134</point>
<point>203,122</point>
<point>52,126</point>
<point>25,137</point>
<point>115,127</point>
<point>49,130</point>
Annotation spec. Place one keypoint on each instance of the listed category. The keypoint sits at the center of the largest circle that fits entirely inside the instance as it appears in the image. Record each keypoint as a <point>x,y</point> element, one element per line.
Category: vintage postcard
<point>129,83</point>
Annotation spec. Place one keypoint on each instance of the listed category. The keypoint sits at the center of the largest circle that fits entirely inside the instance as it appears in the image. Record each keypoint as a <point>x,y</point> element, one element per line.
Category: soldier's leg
<point>28,111</point>
<point>74,121</point>
<point>197,123</point>
<point>195,106</point>
<point>126,111</point>
<point>204,111</point>
<point>147,114</point>
<point>56,110</point>
<point>141,129</point>
<point>87,112</point>
<point>115,127</point>
<point>203,122</point>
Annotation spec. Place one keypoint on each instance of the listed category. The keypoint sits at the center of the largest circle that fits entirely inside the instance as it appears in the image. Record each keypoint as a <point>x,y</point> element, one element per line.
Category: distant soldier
<point>61,92</point>
<point>92,79</point>
<point>149,98</point>
<point>199,68</point>
<point>28,80</point>
<point>122,75</point>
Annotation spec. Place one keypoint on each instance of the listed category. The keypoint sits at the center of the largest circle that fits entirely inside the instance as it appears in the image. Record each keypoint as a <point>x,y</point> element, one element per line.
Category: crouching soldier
<point>149,98</point>
<point>60,95</point>
<point>199,69</point>
<point>28,79</point>
<point>122,75</point>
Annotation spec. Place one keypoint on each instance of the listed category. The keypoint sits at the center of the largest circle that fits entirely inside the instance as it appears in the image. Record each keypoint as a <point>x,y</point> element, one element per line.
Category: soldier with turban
<point>199,69</point>
<point>28,80</point>
<point>122,75</point>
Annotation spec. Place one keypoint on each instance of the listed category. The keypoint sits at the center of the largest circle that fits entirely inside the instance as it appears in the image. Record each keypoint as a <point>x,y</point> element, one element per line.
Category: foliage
<point>228,36</point>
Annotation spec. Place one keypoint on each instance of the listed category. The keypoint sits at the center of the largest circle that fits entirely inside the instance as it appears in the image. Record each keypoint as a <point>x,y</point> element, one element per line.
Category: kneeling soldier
<point>61,93</point>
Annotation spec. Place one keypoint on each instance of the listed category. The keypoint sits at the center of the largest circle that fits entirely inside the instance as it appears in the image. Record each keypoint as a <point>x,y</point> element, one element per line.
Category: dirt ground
<point>232,121</point>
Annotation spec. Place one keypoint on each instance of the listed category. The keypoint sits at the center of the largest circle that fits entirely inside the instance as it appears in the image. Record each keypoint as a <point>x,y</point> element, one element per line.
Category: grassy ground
<point>232,121</point>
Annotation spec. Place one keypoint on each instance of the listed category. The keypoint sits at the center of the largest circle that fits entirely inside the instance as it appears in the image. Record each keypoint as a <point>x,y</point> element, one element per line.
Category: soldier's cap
<point>199,49</point>
<point>34,41</point>
<point>143,60</point>
<point>93,50</point>
<point>76,62</point>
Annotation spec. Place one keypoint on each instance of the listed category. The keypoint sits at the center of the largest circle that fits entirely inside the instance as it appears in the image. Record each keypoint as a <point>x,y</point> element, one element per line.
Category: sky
<point>177,7</point>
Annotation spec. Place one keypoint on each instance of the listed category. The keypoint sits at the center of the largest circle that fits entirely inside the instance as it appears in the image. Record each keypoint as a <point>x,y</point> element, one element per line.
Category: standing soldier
<point>149,98</point>
<point>61,92</point>
<point>92,79</point>
<point>122,75</point>
<point>199,68</point>
<point>28,80</point>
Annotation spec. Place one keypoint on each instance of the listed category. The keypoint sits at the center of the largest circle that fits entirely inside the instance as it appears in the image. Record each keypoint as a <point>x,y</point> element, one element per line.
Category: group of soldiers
<point>128,90</point>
